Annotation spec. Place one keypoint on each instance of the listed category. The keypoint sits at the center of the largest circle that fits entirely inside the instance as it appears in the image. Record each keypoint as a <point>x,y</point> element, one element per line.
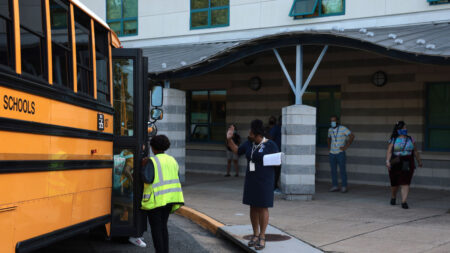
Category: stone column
<point>299,146</point>
<point>173,125</point>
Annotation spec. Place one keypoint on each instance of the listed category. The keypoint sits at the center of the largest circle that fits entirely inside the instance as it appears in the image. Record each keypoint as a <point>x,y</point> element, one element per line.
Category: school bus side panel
<point>7,229</point>
<point>23,106</point>
<point>48,201</point>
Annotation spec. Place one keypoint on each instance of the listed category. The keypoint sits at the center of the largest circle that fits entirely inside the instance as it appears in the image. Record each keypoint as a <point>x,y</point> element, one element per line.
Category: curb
<point>199,218</point>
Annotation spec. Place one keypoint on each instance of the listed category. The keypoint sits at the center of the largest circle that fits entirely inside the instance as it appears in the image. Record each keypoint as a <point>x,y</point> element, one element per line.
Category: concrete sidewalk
<point>359,221</point>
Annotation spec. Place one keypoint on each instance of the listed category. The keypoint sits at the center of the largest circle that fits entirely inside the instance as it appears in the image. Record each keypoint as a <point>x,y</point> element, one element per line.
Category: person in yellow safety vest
<point>162,191</point>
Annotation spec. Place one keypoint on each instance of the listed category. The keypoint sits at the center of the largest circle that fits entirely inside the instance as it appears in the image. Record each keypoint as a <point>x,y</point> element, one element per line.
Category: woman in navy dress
<point>259,179</point>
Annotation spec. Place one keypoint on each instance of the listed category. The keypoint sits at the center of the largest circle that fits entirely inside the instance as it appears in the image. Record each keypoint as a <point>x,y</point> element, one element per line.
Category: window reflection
<point>208,115</point>
<point>83,44</point>
<point>32,37</point>
<point>61,47</point>
<point>5,34</point>
<point>102,61</point>
<point>122,197</point>
<point>123,96</point>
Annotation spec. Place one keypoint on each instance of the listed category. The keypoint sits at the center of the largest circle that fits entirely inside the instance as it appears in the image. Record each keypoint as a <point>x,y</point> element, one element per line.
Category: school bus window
<point>102,61</point>
<point>32,37</point>
<point>5,34</point>
<point>123,97</point>
<point>61,46</point>
<point>59,14</point>
<point>83,44</point>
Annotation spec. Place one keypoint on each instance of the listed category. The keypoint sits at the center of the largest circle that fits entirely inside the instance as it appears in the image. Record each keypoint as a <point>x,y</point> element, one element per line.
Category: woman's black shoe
<point>259,245</point>
<point>405,205</point>
<point>253,241</point>
<point>393,202</point>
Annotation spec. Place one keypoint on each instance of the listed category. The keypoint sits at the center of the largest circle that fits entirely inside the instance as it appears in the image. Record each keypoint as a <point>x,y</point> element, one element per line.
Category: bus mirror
<point>151,130</point>
<point>156,114</point>
<point>157,96</point>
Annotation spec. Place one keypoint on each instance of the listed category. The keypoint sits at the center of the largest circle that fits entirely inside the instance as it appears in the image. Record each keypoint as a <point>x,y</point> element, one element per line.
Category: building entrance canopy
<point>423,43</point>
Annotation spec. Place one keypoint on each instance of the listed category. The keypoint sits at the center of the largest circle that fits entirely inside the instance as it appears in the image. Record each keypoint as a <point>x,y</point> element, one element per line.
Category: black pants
<point>277,176</point>
<point>158,219</point>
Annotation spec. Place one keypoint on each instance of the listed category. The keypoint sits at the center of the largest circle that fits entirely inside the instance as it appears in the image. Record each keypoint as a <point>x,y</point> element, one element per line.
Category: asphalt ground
<point>184,236</point>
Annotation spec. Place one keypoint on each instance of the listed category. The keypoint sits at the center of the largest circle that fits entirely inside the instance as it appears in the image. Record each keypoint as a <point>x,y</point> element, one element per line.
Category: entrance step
<point>276,240</point>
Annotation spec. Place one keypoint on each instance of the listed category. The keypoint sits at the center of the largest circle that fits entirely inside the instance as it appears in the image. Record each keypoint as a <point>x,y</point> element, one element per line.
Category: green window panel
<point>316,8</point>
<point>327,101</point>
<point>199,19</point>
<point>219,17</point>
<point>130,27</point>
<point>434,2</point>
<point>199,4</point>
<point>113,9</point>
<point>209,13</point>
<point>437,134</point>
<point>121,16</point>
<point>207,116</point>
<point>303,7</point>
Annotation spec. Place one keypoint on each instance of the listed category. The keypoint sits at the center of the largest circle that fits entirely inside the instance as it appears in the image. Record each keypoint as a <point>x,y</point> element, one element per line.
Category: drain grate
<point>271,237</point>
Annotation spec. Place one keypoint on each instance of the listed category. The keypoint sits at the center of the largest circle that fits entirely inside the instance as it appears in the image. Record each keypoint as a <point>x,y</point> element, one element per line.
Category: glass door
<point>130,115</point>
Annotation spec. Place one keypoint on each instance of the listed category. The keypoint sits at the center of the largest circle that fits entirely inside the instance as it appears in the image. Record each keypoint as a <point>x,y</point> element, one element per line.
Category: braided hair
<point>397,127</point>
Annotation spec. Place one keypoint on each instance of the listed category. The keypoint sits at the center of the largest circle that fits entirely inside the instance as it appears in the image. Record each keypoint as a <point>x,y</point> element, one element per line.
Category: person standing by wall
<point>232,156</point>
<point>400,162</point>
<point>259,179</point>
<point>339,139</point>
<point>275,135</point>
<point>162,191</point>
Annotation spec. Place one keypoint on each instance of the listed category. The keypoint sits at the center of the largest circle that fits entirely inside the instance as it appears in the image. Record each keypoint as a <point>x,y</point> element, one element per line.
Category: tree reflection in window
<point>123,81</point>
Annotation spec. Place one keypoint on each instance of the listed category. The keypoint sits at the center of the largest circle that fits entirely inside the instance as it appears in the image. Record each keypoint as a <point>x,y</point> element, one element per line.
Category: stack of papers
<point>273,159</point>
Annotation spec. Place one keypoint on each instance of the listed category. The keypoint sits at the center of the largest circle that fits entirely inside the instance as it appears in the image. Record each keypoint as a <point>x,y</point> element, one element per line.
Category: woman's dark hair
<point>235,127</point>
<point>397,127</point>
<point>257,127</point>
<point>160,143</point>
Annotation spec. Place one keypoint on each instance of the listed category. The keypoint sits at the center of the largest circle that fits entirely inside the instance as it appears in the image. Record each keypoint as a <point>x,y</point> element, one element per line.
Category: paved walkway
<point>359,221</point>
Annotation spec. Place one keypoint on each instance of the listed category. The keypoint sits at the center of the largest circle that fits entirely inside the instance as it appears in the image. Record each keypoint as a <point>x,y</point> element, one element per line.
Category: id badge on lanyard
<point>252,164</point>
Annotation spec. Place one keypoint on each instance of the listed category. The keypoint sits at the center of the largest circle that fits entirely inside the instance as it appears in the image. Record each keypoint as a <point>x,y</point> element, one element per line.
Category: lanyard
<point>336,134</point>
<point>254,148</point>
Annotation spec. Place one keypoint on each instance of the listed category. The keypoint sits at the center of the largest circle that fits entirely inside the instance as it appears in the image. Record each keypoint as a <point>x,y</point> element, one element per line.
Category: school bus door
<point>130,88</point>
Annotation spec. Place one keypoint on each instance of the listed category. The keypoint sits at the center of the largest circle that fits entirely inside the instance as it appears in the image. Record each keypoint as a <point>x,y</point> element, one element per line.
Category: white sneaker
<point>137,241</point>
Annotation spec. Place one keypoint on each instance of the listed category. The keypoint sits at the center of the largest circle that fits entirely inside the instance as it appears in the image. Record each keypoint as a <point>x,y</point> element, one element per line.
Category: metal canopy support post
<point>313,71</point>
<point>298,75</point>
<point>286,73</point>
<point>298,88</point>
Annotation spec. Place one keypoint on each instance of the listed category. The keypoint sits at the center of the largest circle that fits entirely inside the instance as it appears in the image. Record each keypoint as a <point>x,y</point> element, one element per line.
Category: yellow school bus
<point>58,128</point>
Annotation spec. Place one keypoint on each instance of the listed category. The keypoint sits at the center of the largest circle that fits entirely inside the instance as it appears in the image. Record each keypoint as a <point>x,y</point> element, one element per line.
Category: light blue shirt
<point>338,137</point>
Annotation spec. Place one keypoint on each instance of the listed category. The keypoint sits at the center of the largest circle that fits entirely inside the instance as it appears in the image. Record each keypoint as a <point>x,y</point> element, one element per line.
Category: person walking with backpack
<point>400,162</point>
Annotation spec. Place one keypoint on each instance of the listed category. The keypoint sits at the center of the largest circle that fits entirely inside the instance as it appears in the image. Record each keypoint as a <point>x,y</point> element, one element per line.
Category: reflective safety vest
<point>166,187</point>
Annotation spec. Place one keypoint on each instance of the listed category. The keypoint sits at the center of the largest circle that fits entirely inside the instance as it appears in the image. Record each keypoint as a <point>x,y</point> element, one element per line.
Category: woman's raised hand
<point>230,132</point>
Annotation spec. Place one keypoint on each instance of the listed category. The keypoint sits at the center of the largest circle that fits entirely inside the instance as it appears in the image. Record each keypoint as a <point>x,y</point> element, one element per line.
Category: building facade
<point>386,61</point>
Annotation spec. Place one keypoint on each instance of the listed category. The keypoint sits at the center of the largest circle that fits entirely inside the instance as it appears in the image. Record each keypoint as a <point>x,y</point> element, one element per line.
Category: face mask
<point>333,124</point>
<point>402,132</point>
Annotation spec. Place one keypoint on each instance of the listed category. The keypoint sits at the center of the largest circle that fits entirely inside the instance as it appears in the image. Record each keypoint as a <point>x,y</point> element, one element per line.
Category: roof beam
<point>286,73</point>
